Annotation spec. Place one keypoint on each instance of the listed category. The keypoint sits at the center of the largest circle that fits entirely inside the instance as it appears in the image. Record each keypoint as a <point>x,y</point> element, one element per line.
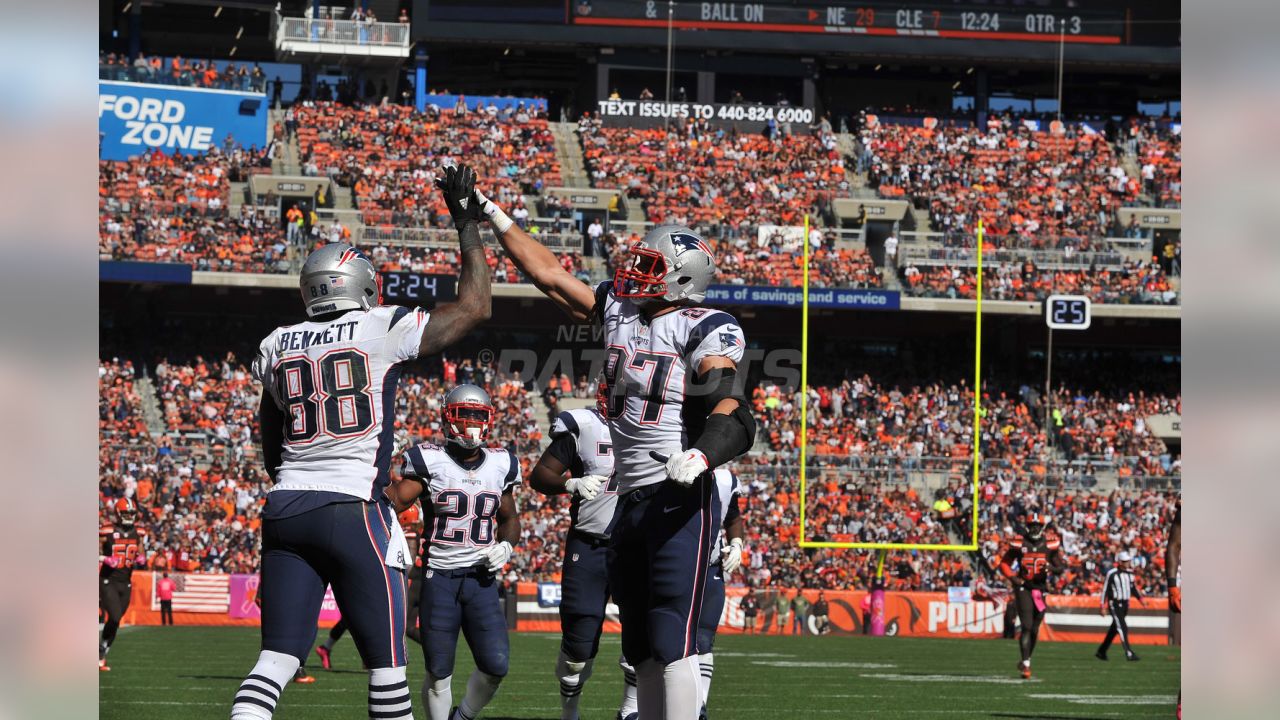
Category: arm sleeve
<point>732,512</point>
<point>264,366</point>
<point>717,334</point>
<point>513,473</point>
<point>414,464</point>
<point>404,332</point>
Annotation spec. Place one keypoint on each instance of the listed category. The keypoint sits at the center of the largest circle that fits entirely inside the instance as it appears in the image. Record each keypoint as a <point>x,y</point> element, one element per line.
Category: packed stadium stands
<point>389,154</point>
<point>1133,283</point>
<point>181,71</point>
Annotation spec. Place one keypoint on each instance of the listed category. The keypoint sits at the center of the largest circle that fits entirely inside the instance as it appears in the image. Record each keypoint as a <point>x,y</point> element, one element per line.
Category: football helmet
<point>126,511</point>
<point>411,517</point>
<point>468,417</point>
<point>1035,526</point>
<point>338,277</point>
<point>672,263</point>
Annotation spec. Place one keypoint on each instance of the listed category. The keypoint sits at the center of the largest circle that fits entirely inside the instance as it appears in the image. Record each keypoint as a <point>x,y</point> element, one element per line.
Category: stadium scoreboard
<point>1068,312</point>
<point>979,22</point>
<point>417,289</point>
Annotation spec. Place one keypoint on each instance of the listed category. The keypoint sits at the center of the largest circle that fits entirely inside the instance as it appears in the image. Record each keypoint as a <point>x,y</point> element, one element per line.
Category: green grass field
<point>192,673</point>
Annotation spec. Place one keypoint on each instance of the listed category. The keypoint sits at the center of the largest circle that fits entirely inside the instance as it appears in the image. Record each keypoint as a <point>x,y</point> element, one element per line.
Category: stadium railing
<point>1043,259</point>
<point>327,31</point>
<point>440,238</point>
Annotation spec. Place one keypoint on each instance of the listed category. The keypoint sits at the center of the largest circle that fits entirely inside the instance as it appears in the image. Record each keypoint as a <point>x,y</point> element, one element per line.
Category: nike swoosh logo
<point>667,510</point>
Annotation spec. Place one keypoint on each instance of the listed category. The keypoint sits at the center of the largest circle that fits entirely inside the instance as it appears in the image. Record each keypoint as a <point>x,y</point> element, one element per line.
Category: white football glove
<point>731,559</point>
<point>683,466</point>
<point>586,487</point>
<point>496,556</point>
<point>499,219</point>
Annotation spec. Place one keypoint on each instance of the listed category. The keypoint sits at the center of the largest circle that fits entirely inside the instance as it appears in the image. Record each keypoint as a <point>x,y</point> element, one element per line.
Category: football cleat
<point>1131,657</point>
<point>1100,655</point>
<point>324,657</point>
<point>102,666</point>
<point>1025,669</point>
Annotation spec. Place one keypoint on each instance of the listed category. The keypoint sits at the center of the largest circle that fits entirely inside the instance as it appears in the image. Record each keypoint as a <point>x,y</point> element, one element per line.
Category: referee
<point>1116,590</point>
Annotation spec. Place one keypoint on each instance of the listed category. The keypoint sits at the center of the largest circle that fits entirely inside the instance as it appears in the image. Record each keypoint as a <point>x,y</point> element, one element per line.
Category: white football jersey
<point>461,503</point>
<point>593,456</point>
<point>727,488</point>
<point>335,382</point>
<point>647,364</point>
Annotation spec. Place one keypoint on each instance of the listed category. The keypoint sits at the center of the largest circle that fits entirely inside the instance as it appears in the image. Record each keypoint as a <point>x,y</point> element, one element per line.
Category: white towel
<point>398,555</point>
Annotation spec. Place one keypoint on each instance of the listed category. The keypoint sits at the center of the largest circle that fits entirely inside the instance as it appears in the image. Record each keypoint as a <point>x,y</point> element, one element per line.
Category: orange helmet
<point>411,516</point>
<point>126,511</point>
<point>1036,524</point>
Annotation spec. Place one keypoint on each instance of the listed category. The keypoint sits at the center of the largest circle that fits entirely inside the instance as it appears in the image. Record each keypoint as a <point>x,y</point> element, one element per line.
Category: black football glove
<point>458,186</point>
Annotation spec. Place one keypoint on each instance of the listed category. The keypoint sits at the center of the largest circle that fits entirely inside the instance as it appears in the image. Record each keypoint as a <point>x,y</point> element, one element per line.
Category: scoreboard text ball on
<point>1068,312</point>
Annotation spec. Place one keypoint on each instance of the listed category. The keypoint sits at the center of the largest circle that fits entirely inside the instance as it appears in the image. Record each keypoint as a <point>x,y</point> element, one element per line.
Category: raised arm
<point>541,265</point>
<point>451,321</point>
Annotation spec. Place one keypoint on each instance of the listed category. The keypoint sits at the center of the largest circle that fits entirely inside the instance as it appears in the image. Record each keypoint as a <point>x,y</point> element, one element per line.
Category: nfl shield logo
<point>575,557</point>
<point>430,573</point>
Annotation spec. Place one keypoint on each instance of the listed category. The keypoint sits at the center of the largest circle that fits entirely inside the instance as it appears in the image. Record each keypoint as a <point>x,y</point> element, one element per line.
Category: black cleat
<point>1100,655</point>
<point>1131,656</point>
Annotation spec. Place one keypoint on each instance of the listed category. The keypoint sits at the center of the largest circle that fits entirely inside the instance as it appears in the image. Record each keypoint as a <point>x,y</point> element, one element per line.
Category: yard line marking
<point>818,664</point>
<point>987,679</point>
<point>1108,699</point>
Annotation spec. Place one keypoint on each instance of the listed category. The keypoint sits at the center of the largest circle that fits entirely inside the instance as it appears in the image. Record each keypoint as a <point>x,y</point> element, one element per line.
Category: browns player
<point>411,522</point>
<point>121,553</point>
<point>1035,555</point>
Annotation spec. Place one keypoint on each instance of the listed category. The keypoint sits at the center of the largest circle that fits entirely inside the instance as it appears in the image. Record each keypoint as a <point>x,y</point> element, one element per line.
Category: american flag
<point>196,593</point>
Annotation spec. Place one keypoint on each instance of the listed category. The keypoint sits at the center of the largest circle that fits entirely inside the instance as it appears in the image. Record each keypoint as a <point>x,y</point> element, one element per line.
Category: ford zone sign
<point>134,118</point>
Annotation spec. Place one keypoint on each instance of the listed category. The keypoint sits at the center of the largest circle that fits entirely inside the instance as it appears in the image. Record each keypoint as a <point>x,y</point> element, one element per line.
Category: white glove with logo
<point>496,556</point>
<point>586,487</point>
<point>499,219</point>
<point>683,466</point>
<point>731,560</point>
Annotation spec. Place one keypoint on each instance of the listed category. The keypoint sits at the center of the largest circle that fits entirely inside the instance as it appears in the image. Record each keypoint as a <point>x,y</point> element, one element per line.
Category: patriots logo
<point>729,340</point>
<point>685,241</point>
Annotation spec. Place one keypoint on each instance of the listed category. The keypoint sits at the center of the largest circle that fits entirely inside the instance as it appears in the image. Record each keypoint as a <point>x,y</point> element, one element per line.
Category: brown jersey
<point>122,549</point>
<point>1035,558</point>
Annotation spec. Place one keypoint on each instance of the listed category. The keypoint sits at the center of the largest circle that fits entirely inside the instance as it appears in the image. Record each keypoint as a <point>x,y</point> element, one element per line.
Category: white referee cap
<point>1124,556</point>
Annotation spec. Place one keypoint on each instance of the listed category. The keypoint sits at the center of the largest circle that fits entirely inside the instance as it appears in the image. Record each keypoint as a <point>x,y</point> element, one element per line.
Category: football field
<point>192,673</point>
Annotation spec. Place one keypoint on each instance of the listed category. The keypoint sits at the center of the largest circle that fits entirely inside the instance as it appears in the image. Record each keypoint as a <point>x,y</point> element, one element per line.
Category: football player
<point>327,416</point>
<point>468,493</point>
<point>411,524</point>
<point>121,552</point>
<point>1035,555</point>
<point>674,414</point>
<point>579,462</point>
<point>411,521</point>
<point>1173,575</point>
<point>726,558</point>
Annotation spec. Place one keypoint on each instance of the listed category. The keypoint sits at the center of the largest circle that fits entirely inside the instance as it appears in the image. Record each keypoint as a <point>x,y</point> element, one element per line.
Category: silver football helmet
<point>338,277</point>
<point>468,417</point>
<point>671,263</point>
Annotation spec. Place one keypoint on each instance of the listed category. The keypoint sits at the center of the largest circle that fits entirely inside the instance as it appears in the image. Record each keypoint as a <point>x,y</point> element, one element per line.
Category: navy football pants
<point>464,600</point>
<point>712,607</point>
<point>658,565</point>
<point>584,588</point>
<point>343,545</point>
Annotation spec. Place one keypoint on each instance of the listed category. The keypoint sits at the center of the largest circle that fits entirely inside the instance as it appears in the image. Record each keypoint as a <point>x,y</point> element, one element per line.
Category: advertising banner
<point>746,118</point>
<point>244,605</point>
<point>136,117</point>
<point>847,298</point>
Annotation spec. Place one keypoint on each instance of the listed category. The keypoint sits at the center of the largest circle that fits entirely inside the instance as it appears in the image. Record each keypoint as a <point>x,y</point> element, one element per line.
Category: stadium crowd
<point>1017,181</point>
<point>389,154</point>
<point>722,180</point>
<point>181,71</point>
<point>1133,283</point>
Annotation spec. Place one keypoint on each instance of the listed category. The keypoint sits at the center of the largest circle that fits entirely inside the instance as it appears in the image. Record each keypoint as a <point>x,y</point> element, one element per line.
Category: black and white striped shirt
<point>1118,586</point>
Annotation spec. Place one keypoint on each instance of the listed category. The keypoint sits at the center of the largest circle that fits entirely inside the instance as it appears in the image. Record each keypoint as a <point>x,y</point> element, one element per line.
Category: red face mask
<point>643,278</point>
<point>468,422</point>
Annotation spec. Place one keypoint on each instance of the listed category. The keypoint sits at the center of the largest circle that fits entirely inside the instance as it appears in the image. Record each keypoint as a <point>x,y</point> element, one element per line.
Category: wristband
<point>469,237</point>
<point>499,219</point>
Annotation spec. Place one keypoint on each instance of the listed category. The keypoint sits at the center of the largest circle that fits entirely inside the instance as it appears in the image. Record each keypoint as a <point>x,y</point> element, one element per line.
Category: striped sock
<point>708,665</point>
<point>629,702</point>
<point>389,695</point>
<point>573,676</point>
<point>258,694</point>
